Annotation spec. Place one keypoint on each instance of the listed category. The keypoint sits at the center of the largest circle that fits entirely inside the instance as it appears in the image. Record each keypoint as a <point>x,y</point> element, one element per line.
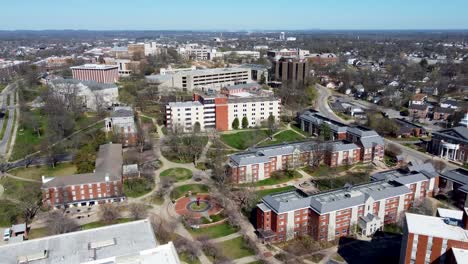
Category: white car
<point>6,234</point>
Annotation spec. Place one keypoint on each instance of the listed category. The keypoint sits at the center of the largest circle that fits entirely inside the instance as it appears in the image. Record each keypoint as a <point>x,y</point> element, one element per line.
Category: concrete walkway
<point>225,238</point>
<point>245,260</point>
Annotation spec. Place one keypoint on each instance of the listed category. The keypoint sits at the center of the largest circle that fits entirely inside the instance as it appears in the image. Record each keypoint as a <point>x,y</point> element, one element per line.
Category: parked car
<point>6,234</point>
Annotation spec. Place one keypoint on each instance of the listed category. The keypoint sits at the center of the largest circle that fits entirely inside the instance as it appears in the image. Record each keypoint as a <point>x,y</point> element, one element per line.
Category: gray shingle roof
<point>122,112</point>
<point>109,163</point>
<point>92,85</point>
<point>458,175</point>
<point>336,199</point>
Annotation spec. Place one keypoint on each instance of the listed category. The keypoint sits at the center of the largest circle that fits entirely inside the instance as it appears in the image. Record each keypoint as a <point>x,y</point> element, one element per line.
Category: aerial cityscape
<point>237,132</point>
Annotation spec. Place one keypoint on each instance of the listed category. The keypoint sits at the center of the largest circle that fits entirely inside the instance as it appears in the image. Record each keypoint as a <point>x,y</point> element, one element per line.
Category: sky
<point>233,14</point>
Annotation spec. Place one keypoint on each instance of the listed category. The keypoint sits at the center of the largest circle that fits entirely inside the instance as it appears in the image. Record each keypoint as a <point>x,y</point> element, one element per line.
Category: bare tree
<point>109,212</point>
<point>163,230</point>
<point>58,223</point>
<point>188,248</point>
<point>439,165</point>
<point>29,203</point>
<point>138,210</point>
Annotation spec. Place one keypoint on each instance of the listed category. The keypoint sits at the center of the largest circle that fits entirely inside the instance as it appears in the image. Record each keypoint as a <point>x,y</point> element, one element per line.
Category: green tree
<point>235,123</point>
<point>325,132</point>
<point>271,125</point>
<point>311,94</point>
<point>262,79</point>
<point>245,122</point>
<point>197,127</point>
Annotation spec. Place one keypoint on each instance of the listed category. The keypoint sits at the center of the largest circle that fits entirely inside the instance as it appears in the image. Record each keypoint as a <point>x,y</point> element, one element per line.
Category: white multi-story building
<point>218,111</point>
<point>243,53</point>
<point>204,80</point>
<point>196,52</point>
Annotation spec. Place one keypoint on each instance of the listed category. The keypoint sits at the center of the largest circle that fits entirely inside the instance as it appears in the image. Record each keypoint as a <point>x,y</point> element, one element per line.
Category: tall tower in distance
<point>282,36</point>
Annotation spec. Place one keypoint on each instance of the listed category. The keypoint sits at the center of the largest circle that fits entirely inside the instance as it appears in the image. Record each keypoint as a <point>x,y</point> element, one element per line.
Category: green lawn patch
<point>178,174</point>
<point>316,258</point>
<point>325,171</point>
<point>14,188</point>
<point>101,223</point>
<point>338,182</point>
<point>146,120</point>
<point>28,140</point>
<point>235,248</point>
<point>137,187</point>
<point>297,127</point>
<point>38,233</point>
<point>282,137</point>
<point>266,192</point>
<point>278,177</point>
<point>182,190</point>
<point>393,228</point>
<point>35,173</point>
<point>215,231</point>
<point>244,139</point>
<point>185,258</point>
<point>8,213</point>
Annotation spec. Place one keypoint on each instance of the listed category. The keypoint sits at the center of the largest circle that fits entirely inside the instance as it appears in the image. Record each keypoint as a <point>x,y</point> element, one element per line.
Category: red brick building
<point>429,239</point>
<point>370,143</point>
<point>259,163</point>
<point>100,73</point>
<point>102,186</point>
<point>418,111</point>
<point>330,215</point>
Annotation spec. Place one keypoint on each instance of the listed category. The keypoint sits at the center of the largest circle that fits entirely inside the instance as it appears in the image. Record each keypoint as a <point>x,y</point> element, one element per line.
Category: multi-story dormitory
<point>370,143</point>
<point>332,214</point>
<point>259,163</point>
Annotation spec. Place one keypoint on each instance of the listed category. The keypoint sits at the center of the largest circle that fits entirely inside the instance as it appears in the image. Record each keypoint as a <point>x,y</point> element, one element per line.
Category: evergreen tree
<point>235,123</point>
<point>245,122</point>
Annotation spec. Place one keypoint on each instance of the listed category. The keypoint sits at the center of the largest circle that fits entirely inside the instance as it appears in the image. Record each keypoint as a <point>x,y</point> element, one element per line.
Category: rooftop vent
<point>102,244</point>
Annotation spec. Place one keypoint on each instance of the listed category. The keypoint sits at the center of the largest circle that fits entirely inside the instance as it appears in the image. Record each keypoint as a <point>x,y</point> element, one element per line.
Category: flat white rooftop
<point>461,255</point>
<point>94,67</point>
<point>435,227</point>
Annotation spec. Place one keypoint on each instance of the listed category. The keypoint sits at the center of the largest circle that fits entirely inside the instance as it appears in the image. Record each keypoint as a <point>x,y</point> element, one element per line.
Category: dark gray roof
<point>109,163</point>
<point>122,112</point>
<point>418,107</point>
<point>443,110</point>
<point>82,246</point>
<point>369,218</point>
<point>458,175</point>
<point>457,133</point>
<point>336,199</point>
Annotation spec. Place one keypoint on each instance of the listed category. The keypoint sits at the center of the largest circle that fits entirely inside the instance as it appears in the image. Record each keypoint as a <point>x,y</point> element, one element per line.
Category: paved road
<point>322,104</point>
<point>11,108</point>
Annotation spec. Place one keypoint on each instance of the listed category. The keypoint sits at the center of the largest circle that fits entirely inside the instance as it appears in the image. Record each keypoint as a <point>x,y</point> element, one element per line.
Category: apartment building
<point>132,242</point>
<point>104,185</point>
<point>219,110</point>
<point>259,163</point>
<point>431,239</point>
<point>454,184</point>
<point>242,53</point>
<point>204,80</point>
<point>100,73</point>
<point>298,53</point>
<point>196,52</point>
<point>329,215</point>
<point>371,144</point>
<point>122,122</point>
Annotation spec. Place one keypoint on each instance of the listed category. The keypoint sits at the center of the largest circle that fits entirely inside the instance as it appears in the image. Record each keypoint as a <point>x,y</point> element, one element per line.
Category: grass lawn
<point>278,177</point>
<point>235,248</point>
<point>2,86</point>
<point>184,189</point>
<point>393,228</point>
<point>14,188</point>
<point>324,170</point>
<point>137,187</point>
<point>282,137</point>
<point>338,258</point>
<point>8,213</point>
<point>216,231</point>
<point>244,139</point>
<point>38,233</point>
<point>35,173</point>
<point>27,140</point>
<point>333,183</point>
<point>101,223</point>
<point>316,258</point>
<point>178,174</point>
<point>185,258</point>
<point>266,192</point>
<point>297,127</point>
<point>146,120</point>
